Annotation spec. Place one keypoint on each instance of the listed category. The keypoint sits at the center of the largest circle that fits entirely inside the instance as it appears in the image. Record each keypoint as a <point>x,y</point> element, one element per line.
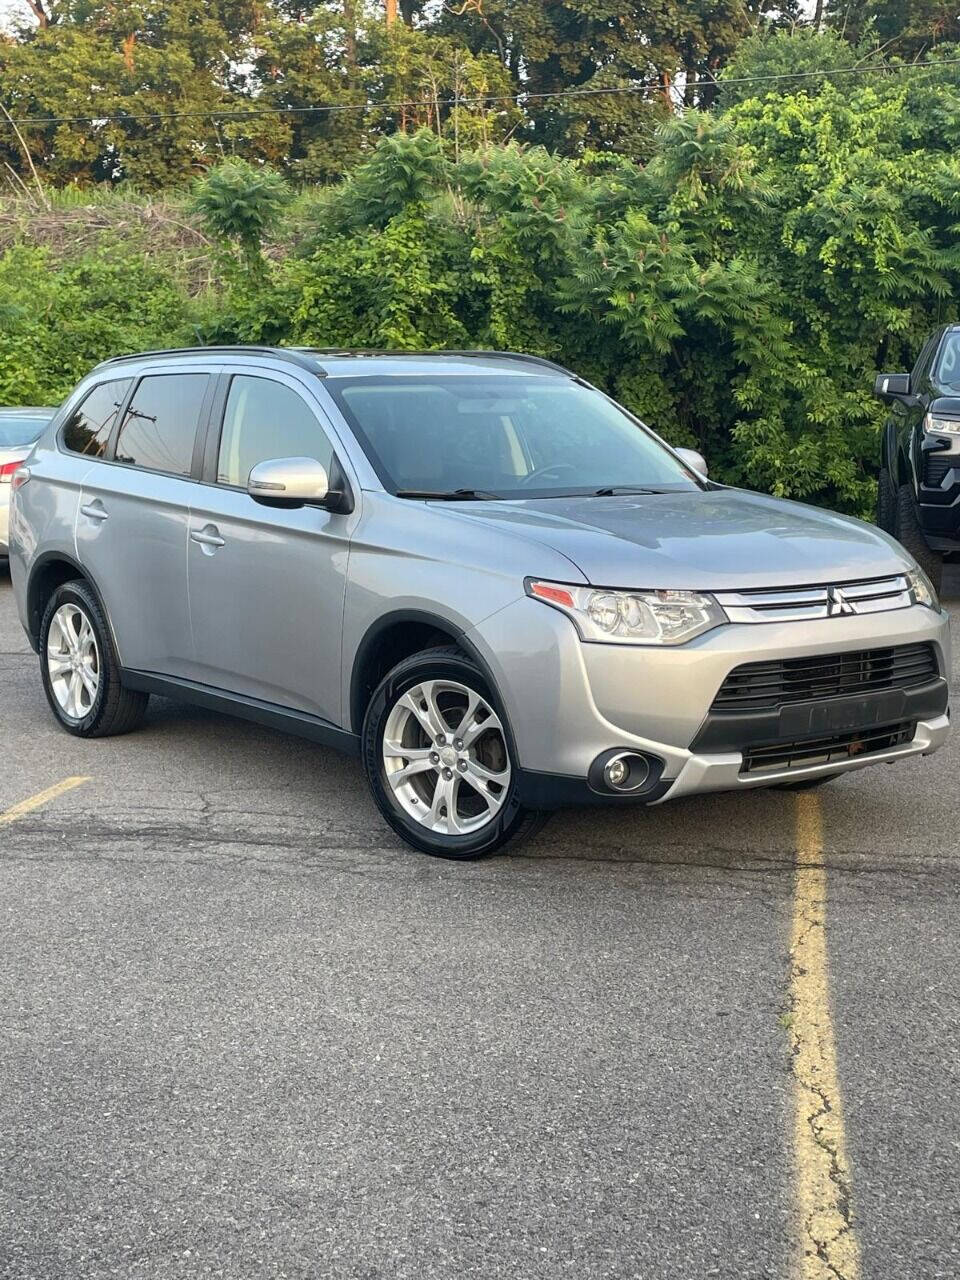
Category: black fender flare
<point>435,623</point>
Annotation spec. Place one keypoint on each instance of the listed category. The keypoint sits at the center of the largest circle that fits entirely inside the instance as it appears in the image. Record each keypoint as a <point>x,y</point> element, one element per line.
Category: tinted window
<point>948,365</point>
<point>509,435</point>
<point>265,419</point>
<point>923,359</point>
<point>88,428</point>
<point>19,429</point>
<point>160,426</point>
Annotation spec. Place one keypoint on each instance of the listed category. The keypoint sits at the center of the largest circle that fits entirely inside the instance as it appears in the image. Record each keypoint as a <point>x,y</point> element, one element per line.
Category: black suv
<point>918,496</point>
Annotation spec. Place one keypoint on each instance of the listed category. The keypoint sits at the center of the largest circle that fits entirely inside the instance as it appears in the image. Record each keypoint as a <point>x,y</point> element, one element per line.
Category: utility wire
<point>520,97</point>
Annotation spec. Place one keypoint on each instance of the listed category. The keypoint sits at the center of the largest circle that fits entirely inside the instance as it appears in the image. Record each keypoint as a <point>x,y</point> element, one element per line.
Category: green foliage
<point>785,54</point>
<point>739,290</point>
<point>239,205</point>
<point>909,28</point>
<point>310,88</point>
<point>59,321</point>
<point>404,170</point>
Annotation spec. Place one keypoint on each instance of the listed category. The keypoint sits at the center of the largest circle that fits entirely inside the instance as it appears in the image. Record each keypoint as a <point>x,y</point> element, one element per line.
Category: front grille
<point>797,604</point>
<point>813,751</point>
<point>936,466</point>
<point>764,686</point>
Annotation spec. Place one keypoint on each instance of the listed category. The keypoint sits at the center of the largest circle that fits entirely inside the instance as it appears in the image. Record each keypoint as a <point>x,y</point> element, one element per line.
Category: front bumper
<point>568,701</point>
<point>722,772</point>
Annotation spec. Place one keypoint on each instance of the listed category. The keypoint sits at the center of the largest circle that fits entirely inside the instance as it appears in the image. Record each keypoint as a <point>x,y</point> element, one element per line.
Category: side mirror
<point>693,459</point>
<point>892,386</point>
<point>290,482</point>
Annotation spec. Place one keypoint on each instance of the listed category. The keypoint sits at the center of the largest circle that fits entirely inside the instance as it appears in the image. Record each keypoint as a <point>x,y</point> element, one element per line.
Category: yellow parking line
<point>829,1241</point>
<point>41,798</point>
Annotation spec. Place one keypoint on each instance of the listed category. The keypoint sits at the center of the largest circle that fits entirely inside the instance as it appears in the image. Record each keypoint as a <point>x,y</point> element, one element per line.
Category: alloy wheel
<point>73,661</point>
<point>445,757</point>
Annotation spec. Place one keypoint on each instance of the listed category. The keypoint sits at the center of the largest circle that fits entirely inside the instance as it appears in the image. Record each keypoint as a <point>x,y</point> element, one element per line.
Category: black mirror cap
<point>339,501</point>
<point>892,386</point>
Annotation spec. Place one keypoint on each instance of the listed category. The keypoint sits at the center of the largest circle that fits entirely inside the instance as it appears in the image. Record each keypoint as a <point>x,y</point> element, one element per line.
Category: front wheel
<point>438,758</point>
<point>886,502</point>
<point>910,536</point>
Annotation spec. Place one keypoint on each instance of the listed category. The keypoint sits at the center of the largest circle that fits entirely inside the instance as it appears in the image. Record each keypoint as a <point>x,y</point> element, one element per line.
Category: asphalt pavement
<point>245,1033</point>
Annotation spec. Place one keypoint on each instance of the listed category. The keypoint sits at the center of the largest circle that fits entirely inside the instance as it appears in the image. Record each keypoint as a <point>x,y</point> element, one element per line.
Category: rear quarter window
<point>88,428</point>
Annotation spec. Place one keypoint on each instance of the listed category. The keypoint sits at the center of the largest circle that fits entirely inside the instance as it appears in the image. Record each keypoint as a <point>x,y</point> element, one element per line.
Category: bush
<point>739,292</point>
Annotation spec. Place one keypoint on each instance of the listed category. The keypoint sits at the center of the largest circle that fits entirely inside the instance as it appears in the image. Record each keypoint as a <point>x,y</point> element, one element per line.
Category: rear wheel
<point>911,537</point>
<point>438,758</point>
<point>80,670</point>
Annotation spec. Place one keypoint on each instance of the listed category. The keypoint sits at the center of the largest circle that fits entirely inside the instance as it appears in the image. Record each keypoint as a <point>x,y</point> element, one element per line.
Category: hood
<point>713,540</point>
<point>947,400</point>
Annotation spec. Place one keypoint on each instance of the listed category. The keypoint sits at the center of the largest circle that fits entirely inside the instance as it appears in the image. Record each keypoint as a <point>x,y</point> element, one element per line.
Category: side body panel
<point>43,515</point>
<point>267,603</point>
<point>410,557</point>
<point>131,535</point>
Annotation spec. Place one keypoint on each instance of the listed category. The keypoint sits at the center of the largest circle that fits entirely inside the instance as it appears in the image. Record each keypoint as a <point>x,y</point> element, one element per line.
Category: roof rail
<point>500,355</point>
<point>298,355</point>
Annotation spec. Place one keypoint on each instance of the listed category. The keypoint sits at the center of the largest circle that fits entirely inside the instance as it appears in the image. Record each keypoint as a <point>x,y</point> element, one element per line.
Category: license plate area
<point>866,711</point>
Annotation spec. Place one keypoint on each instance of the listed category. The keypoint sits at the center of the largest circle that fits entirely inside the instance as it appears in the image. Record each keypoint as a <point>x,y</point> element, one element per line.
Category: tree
<point>907,28</point>
<point>239,205</point>
<point>780,62</point>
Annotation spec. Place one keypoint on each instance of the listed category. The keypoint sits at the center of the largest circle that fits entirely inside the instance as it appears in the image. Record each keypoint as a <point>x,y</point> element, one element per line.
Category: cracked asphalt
<point>245,1033</point>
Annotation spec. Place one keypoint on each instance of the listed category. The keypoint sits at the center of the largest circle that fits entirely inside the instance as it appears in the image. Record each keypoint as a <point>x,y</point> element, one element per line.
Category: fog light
<point>627,771</point>
<point>616,772</point>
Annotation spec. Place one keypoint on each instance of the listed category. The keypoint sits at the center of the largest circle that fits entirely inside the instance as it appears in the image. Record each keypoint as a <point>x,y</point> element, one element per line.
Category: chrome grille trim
<point>797,604</point>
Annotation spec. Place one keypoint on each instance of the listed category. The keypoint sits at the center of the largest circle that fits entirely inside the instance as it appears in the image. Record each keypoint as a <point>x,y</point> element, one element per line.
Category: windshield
<point>501,435</point>
<point>17,429</point>
<point>948,359</point>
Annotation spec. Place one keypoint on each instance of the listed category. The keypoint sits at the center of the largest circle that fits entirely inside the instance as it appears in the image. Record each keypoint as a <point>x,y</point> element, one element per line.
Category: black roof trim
<point>297,355</point>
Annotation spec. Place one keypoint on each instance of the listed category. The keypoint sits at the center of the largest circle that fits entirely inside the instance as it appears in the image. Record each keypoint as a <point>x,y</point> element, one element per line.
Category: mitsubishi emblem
<point>837,603</point>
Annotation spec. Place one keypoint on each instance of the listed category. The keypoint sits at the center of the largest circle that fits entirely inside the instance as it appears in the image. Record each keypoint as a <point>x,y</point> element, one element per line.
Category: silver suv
<point>473,569</point>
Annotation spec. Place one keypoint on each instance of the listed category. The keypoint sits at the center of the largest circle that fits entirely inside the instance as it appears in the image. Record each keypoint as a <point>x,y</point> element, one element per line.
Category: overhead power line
<point>518,98</point>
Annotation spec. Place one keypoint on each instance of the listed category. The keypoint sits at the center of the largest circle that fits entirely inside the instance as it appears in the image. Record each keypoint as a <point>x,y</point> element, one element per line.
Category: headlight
<point>632,617</point>
<point>921,589</point>
<point>937,422</point>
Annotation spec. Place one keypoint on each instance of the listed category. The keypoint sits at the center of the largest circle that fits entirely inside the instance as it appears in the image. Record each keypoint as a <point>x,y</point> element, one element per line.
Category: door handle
<point>207,537</point>
<point>94,510</point>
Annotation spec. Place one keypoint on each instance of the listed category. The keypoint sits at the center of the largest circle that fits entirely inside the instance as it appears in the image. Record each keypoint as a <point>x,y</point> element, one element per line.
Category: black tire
<point>910,536</point>
<point>113,709</point>
<point>886,503</point>
<point>512,822</point>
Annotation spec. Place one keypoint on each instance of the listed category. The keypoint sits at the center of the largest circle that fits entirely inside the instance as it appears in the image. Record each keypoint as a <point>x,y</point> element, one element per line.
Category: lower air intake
<point>836,749</point>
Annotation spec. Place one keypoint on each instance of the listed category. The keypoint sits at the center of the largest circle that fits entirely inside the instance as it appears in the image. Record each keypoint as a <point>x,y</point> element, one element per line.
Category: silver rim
<point>445,756</point>
<point>73,661</point>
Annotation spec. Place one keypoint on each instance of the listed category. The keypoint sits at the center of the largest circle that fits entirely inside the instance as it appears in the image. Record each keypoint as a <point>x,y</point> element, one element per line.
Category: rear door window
<point>160,426</point>
<point>88,428</point>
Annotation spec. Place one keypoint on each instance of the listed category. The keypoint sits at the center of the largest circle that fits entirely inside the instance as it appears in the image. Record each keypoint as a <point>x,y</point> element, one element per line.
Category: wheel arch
<point>49,571</point>
<point>395,636</point>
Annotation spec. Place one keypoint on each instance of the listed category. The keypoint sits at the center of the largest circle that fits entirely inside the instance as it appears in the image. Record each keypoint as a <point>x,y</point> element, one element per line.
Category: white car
<point>19,430</point>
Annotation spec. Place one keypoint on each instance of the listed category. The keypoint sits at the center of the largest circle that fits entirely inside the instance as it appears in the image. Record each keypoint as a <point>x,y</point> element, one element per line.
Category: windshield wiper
<point>614,490</point>
<point>450,495</point>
